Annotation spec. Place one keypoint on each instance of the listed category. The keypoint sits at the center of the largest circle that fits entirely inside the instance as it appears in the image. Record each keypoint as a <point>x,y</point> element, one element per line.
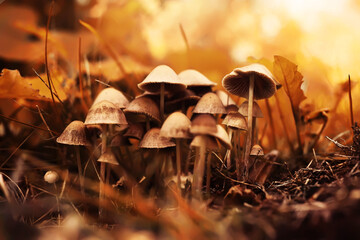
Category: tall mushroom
<point>74,134</point>
<point>254,81</point>
<point>104,113</point>
<point>161,79</point>
<point>177,126</point>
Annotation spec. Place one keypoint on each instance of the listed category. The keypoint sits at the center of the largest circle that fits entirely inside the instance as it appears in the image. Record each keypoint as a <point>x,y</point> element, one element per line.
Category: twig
<point>43,119</point>
<point>26,124</point>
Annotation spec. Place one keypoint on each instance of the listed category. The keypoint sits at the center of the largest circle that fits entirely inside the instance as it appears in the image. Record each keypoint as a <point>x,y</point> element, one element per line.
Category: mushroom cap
<point>186,97</point>
<point>210,142</point>
<point>114,96</point>
<point>225,98</point>
<point>232,108</point>
<point>135,130</point>
<point>152,139</point>
<point>193,78</point>
<point>237,82</point>
<point>256,150</point>
<point>108,157</point>
<point>257,113</point>
<point>105,112</point>
<point>235,120</point>
<point>51,177</point>
<point>74,134</point>
<point>143,106</point>
<point>210,103</point>
<point>222,136</point>
<point>176,125</point>
<point>162,74</point>
<point>203,124</point>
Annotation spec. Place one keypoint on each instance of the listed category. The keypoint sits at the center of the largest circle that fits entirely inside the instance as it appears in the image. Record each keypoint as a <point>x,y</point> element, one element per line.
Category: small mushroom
<point>210,103</point>
<point>143,109</point>
<point>161,79</point>
<point>235,122</point>
<point>177,126</point>
<point>75,134</point>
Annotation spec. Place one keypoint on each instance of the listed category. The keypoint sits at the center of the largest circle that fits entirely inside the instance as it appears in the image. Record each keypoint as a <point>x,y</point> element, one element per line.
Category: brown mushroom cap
<point>237,82</point>
<point>177,125</point>
<point>257,150</point>
<point>210,103</point>
<point>114,96</point>
<point>225,98</point>
<point>203,124</point>
<point>243,110</point>
<point>108,157</point>
<point>210,142</point>
<point>193,78</point>
<point>105,112</point>
<point>318,115</point>
<point>235,120</point>
<point>222,136</point>
<point>143,106</point>
<point>186,97</point>
<point>152,139</point>
<point>162,74</point>
<point>135,130</point>
<point>74,134</point>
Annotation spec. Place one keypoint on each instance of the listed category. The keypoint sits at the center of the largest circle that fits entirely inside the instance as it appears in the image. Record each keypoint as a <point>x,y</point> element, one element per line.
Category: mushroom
<point>181,100</point>
<point>234,121</point>
<point>196,81</point>
<point>177,126</point>
<point>201,126</point>
<point>114,96</point>
<point>210,103</point>
<point>143,109</point>
<point>161,79</point>
<point>319,116</point>
<point>104,113</point>
<point>152,140</point>
<point>254,81</point>
<point>74,134</point>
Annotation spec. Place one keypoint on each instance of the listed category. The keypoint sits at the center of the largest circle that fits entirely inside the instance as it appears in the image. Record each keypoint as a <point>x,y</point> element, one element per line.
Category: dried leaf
<point>286,73</point>
<point>13,85</point>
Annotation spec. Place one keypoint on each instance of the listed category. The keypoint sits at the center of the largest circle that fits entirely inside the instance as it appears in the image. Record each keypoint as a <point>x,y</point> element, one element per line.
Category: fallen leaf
<point>13,85</point>
<point>287,74</point>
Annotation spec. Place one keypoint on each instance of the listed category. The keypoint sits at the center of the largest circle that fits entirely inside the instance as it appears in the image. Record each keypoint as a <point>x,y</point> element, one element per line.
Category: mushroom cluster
<point>178,123</point>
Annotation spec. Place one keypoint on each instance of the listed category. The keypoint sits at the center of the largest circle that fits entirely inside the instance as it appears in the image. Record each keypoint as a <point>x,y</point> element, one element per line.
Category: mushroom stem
<point>162,96</point>
<point>199,169</point>
<point>102,169</point>
<point>178,162</point>
<point>81,179</point>
<point>250,122</point>
<point>208,173</point>
<point>228,151</point>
